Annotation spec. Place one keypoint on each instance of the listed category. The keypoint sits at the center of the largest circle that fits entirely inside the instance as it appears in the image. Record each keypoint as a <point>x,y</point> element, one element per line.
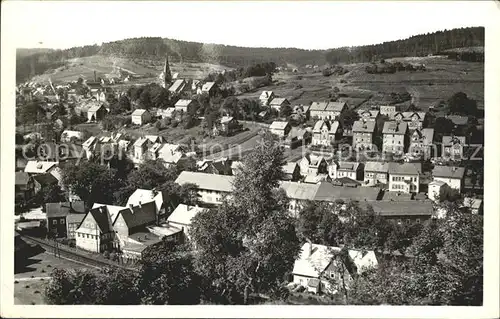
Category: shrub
<point>36,292</point>
<point>27,286</point>
<point>48,266</point>
<point>16,282</point>
<point>42,271</point>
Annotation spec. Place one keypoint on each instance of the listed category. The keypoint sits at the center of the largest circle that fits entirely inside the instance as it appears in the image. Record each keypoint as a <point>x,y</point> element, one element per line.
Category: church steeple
<point>167,75</point>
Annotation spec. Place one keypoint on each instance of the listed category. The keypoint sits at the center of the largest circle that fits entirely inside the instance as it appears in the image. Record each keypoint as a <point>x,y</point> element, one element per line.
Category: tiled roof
<point>329,192</point>
<point>448,171</point>
<point>289,167</point>
<point>365,127</point>
<point>95,108</point>
<point>139,215</point>
<point>377,167</point>
<point>266,94</point>
<point>447,140</point>
<point>405,168</point>
<point>226,119</point>
<point>39,167</point>
<point>45,179</point>
<point>207,86</point>
<point>318,106</point>
<point>215,182</point>
<point>183,103</point>
<point>278,101</point>
<point>138,112</point>
<point>314,259</point>
<point>400,208</point>
<point>335,106</point>
<point>176,86</point>
<point>140,196</point>
<point>112,210</point>
<point>278,125</point>
<point>348,166</point>
<point>392,127</point>
<point>183,214</point>
<point>65,208</point>
<point>140,141</point>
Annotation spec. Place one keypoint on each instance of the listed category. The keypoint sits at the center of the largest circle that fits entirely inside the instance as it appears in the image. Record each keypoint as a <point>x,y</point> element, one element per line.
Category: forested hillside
<point>183,51</point>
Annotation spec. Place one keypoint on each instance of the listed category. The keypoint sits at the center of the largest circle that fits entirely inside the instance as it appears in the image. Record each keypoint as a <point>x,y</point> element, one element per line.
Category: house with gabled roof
<point>395,139</point>
<point>141,117</point>
<point>324,269</point>
<point>64,218</point>
<point>352,170</point>
<point>362,134</point>
<point>405,177</point>
<point>421,142</point>
<point>96,112</point>
<point>298,194</point>
<point>451,175</point>
<point>312,164</point>
<point>278,103</point>
<point>280,128</point>
<point>141,146</point>
<point>325,132</point>
<point>135,218</point>
<point>292,171</point>
<point>184,105</point>
<point>211,187</point>
<point>178,86</point>
<point>40,167</point>
<point>453,147</point>
<point>376,173</point>
<point>96,232</point>
<point>24,186</point>
<point>209,88</point>
<point>327,110</point>
<point>368,115</point>
<point>266,97</point>
<point>404,211</point>
<point>182,216</point>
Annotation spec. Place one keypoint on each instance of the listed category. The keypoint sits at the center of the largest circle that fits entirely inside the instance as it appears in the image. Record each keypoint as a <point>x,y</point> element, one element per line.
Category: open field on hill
<point>442,78</point>
<point>84,67</point>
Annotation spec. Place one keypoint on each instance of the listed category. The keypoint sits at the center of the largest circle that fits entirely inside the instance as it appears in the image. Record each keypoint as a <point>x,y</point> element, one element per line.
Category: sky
<point>301,24</point>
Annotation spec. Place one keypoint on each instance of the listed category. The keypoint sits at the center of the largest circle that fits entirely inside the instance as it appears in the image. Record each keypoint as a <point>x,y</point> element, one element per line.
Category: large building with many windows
<point>404,178</point>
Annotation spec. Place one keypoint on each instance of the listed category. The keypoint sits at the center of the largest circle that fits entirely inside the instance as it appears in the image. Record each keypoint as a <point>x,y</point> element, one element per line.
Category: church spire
<point>167,75</point>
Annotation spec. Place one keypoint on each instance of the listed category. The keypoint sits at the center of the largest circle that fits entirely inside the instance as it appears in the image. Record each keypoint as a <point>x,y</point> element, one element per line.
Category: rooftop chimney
<point>95,76</point>
<point>140,204</point>
<point>131,207</point>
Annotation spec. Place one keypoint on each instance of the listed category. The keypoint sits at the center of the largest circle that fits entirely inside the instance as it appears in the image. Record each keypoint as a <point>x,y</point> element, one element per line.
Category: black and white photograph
<point>273,155</point>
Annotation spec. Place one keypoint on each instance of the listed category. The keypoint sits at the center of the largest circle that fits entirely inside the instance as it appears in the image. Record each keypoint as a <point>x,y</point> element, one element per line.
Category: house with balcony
<point>405,177</point>
<point>395,137</point>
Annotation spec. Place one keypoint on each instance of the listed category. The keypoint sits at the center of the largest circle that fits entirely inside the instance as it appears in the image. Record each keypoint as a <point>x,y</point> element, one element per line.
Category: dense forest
<point>156,48</point>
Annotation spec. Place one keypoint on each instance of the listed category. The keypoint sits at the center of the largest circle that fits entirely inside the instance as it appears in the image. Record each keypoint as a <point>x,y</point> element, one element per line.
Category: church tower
<point>167,75</point>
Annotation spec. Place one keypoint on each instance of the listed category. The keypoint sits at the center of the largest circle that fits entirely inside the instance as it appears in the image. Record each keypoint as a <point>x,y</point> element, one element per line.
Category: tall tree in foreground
<point>248,243</point>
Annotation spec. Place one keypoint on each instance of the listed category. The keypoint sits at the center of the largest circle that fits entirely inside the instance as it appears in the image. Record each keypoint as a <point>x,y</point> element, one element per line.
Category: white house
<point>404,178</point>
<point>266,97</point>
<point>451,175</point>
<point>376,172</point>
<point>280,129</point>
<point>141,117</point>
<point>211,187</point>
<point>181,217</point>
<point>434,189</point>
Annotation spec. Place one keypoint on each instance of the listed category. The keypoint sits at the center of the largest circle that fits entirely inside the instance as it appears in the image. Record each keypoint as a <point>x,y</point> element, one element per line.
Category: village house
<point>181,217</point>
<point>362,134</point>
<point>134,219</point>
<point>266,97</point>
<point>96,232</point>
<point>451,175</point>
<point>328,192</point>
<point>388,110</point>
<point>141,117</point>
<point>96,113</point>
<point>352,170</point>
<point>68,136</point>
<point>64,218</point>
<point>301,111</point>
<point>474,204</point>
<point>421,142</point>
<point>395,137</point>
<point>40,167</point>
<point>414,120</point>
<point>142,196</point>
<point>171,154</point>
<point>325,132</point>
<point>280,128</point>
<point>221,166</point>
<point>407,211</point>
<point>165,113</point>
<point>211,187</point>
<point>313,165</point>
<point>185,105</point>
<point>278,103</point>
<point>404,178</point>
<point>453,147</point>
<point>228,126</point>
<point>178,86</point>
<point>298,136</point>
<point>42,181</point>
<point>24,186</point>
<point>299,194</point>
<point>327,110</point>
<point>435,189</point>
<point>368,115</point>
<point>133,247</point>
<point>292,171</point>
<point>141,146</point>
<point>324,269</point>
<point>209,88</point>
<point>376,173</point>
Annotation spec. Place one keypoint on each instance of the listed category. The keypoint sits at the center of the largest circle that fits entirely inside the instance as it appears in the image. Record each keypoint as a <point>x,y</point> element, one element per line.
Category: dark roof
<point>74,218</point>
<point>102,218</point>
<point>139,216</point>
<point>448,171</point>
<point>405,168</point>
<point>22,178</point>
<point>330,192</point>
<point>45,179</point>
<point>64,208</point>
<point>346,181</point>
<point>401,208</point>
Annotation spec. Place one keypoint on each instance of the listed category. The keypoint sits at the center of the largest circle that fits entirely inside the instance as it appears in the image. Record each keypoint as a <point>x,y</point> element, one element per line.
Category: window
<point>418,220</point>
<point>62,221</point>
<point>54,222</point>
<point>408,221</point>
<point>399,221</point>
<point>87,235</point>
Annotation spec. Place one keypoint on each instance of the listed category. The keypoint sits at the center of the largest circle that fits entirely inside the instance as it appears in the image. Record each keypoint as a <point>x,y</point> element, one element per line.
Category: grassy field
<point>442,78</point>
<point>30,292</point>
<point>84,67</point>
